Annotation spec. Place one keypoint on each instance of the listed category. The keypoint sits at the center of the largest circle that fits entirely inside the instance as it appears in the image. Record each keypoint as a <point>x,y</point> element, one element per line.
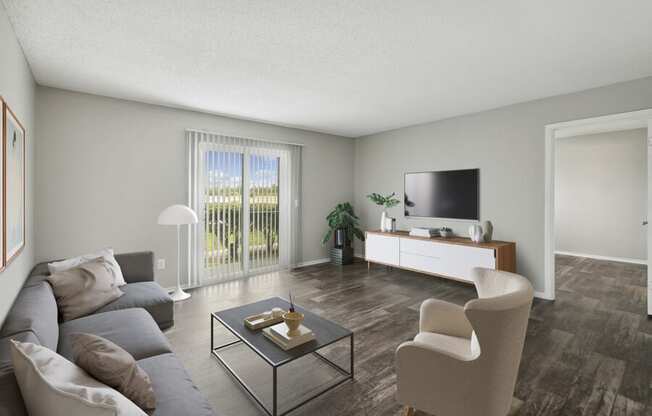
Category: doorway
<point>593,126</point>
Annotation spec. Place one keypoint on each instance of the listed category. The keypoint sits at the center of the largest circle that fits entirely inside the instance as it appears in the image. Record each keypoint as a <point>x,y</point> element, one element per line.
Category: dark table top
<point>326,332</point>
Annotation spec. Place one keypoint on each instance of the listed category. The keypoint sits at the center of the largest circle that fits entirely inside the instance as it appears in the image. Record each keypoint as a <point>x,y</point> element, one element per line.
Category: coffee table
<point>326,333</point>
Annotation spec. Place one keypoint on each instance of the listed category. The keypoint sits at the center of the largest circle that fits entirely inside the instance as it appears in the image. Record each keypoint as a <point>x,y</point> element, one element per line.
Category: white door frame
<point>553,132</point>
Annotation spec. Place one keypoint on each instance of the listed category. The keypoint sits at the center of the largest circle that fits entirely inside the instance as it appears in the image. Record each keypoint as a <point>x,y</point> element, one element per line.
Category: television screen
<point>443,194</point>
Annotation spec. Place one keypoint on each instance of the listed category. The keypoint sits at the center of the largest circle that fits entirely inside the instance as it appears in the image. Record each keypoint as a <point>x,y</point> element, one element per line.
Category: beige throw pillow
<point>113,366</point>
<point>106,254</point>
<point>51,385</point>
<point>84,289</point>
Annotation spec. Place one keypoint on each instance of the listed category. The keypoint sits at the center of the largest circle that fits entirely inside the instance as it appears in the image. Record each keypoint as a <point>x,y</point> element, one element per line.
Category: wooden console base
<point>452,258</point>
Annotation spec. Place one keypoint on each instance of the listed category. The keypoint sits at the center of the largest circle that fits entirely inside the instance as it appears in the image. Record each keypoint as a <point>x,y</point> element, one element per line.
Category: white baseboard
<point>358,254</point>
<point>542,295</point>
<point>312,262</point>
<point>598,257</point>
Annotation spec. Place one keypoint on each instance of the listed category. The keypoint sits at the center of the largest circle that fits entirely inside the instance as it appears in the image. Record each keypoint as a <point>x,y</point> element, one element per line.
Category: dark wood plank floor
<point>587,353</point>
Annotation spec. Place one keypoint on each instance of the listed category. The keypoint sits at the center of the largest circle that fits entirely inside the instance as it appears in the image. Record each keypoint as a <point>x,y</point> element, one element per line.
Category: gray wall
<point>17,88</point>
<point>601,194</point>
<point>107,167</point>
<point>507,144</point>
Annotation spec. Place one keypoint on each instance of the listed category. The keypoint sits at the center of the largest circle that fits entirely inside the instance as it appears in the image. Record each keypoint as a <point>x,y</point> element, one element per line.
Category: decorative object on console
<point>390,224</point>
<point>475,232</point>
<point>423,232</point>
<point>386,202</point>
<point>178,215</point>
<point>14,185</point>
<point>343,225</point>
<point>445,232</point>
<point>488,228</point>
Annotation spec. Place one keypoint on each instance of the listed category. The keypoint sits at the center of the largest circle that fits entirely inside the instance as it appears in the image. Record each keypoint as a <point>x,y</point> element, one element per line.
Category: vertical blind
<point>246,193</point>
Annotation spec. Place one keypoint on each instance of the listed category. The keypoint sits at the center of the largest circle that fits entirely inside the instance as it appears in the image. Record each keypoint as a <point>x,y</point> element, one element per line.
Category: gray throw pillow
<point>84,289</point>
<point>113,366</point>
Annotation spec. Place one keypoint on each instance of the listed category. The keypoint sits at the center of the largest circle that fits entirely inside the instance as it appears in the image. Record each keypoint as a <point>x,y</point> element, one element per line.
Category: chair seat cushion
<point>456,347</point>
<point>132,329</point>
<point>147,295</point>
<point>175,392</point>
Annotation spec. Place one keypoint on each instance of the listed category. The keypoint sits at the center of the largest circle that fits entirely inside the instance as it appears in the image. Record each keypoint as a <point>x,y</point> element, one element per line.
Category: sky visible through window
<point>225,169</point>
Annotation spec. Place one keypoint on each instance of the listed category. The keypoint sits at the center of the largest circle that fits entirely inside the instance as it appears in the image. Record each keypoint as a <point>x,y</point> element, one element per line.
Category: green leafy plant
<point>342,217</point>
<point>384,201</point>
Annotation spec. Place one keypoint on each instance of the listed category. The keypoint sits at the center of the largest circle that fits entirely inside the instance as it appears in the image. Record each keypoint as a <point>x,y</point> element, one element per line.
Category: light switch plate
<point>160,264</point>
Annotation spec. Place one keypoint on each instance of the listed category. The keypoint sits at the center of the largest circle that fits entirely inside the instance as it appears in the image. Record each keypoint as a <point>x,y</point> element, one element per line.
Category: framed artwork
<point>2,194</point>
<point>14,185</point>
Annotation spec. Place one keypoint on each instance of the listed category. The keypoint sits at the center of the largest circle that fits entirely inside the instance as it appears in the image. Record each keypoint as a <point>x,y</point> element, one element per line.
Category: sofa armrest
<point>137,267</point>
<point>444,318</point>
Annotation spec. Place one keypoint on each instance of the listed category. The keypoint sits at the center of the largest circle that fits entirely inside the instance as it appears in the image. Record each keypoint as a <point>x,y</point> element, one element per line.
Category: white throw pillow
<point>52,385</point>
<point>107,254</point>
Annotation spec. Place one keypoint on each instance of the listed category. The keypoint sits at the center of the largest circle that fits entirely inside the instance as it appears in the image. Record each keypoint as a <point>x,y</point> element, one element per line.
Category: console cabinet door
<point>382,249</point>
<point>461,259</point>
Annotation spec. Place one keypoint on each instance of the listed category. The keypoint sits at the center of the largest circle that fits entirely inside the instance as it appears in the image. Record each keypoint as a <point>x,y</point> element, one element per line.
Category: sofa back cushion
<point>136,267</point>
<point>34,310</point>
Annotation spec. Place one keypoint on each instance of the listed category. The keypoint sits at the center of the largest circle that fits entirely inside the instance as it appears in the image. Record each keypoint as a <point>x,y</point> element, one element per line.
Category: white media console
<point>452,258</point>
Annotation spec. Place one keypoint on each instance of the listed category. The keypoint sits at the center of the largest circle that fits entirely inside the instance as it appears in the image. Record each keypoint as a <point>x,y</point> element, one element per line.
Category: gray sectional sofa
<point>134,321</point>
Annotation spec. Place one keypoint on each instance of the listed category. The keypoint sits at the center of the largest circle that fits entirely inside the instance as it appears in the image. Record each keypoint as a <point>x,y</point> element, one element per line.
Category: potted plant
<point>343,226</point>
<point>386,202</point>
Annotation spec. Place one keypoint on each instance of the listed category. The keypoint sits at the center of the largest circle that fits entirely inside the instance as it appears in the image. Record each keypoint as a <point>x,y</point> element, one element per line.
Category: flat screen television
<point>443,194</point>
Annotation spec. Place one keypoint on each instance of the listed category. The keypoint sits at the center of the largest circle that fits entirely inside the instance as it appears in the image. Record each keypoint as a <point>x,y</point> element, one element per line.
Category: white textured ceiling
<point>349,67</point>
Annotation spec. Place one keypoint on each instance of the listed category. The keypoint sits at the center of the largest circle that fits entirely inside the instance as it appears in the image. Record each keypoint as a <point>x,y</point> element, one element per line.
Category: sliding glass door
<point>245,210</point>
<point>264,211</point>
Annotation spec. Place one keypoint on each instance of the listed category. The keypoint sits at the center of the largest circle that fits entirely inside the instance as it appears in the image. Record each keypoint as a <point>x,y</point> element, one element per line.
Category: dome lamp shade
<point>177,215</point>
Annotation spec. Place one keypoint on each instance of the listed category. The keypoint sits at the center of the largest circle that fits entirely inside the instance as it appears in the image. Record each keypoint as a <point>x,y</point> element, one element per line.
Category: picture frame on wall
<point>13,152</point>
<point>2,194</point>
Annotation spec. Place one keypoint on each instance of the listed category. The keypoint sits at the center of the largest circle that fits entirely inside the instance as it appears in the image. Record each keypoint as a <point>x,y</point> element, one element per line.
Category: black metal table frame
<point>348,375</point>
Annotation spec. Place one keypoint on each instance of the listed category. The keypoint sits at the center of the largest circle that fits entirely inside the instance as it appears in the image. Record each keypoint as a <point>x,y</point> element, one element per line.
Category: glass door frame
<point>284,206</point>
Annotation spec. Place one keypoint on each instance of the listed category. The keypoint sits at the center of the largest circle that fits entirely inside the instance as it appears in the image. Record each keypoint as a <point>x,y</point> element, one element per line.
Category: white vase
<point>488,229</point>
<point>383,221</point>
<point>475,232</point>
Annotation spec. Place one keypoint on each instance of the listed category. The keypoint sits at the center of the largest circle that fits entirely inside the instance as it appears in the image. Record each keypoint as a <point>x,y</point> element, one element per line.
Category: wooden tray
<point>256,321</point>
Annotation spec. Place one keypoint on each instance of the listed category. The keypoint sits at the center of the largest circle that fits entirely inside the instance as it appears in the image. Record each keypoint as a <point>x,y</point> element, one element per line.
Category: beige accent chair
<point>465,360</point>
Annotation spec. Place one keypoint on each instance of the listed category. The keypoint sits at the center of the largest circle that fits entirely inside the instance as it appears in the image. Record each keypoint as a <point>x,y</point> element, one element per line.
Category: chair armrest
<point>427,377</point>
<point>137,267</point>
<point>444,318</point>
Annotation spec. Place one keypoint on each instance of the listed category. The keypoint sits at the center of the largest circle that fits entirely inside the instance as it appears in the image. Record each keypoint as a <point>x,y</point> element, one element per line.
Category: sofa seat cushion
<point>147,295</point>
<point>175,392</point>
<point>35,310</point>
<point>132,329</point>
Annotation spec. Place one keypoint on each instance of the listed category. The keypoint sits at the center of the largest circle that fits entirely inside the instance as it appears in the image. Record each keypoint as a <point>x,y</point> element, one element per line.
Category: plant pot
<point>341,239</point>
<point>342,256</point>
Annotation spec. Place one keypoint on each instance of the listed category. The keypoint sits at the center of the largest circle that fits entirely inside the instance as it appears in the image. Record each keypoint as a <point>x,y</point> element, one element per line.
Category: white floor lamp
<point>178,215</point>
